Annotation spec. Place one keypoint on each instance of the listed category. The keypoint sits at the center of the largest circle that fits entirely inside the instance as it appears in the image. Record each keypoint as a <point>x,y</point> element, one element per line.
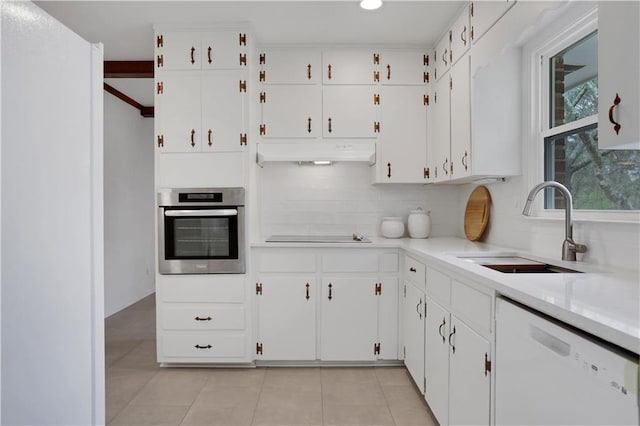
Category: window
<point>597,179</point>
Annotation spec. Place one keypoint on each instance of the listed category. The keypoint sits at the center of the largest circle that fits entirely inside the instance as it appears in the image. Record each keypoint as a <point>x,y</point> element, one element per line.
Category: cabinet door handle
<point>412,269</point>
<point>463,35</point>
<point>193,51</point>
<point>330,290</point>
<point>389,170</point>
<point>209,54</point>
<point>463,160</point>
<point>309,72</point>
<point>307,297</point>
<point>388,72</point>
<point>203,318</point>
<point>209,137</point>
<point>203,347</point>
<point>329,120</point>
<point>309,124</point>
<point>616,126</point>
<point>444,322</point>
<point>444,166</point>
<point>193,137</point>
<point>418,308</point>
<point>329,71</point>
<point>444,57</point>
<point>453,347</point>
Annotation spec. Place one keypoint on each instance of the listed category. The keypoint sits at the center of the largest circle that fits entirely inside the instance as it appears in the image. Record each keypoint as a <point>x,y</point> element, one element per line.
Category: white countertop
<point>600,301</point>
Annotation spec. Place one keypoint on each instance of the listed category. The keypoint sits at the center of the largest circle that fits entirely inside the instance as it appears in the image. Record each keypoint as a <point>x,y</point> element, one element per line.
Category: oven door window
<point>201,237</point>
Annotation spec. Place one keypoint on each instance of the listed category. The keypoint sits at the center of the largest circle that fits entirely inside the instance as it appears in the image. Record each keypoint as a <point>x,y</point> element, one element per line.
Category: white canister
<point>419,223</point>
<point>392,227</point>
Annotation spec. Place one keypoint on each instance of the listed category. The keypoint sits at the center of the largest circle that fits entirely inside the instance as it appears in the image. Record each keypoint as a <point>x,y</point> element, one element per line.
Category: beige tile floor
<point>139,392</point>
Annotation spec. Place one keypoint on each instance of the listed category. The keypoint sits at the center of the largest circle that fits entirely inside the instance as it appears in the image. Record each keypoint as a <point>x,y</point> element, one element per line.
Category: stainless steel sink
<point>518,265</point>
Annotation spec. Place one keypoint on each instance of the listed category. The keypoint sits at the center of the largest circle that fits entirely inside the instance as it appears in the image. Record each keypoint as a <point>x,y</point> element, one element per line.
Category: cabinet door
<point>287,334</point>
<point>460,119</point>
<point>349,111</point>
<point>348,66</point>
<point>414,334</point>
<point>486,13</point>
<point>440,140</point>
<point>402,146</point>
<point>178,51</point>
<point>291,66</point>
<point>469,381</point>
<point>222,111</point>
<point>402,67</point>
<point>349,312</point>
<point>436,368</point>
<point>291,111</point>
<point>388,318</point>
<point>221,50</point>
<point>178,118</point>
<point>442,56</point>
<point>618,74</point>
<point>460,35</point>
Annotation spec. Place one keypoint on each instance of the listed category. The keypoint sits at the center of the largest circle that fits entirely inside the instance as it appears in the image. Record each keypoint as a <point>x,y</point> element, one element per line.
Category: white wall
<point>52,288</point>
<point>129,205</point>
<point>340,199</point>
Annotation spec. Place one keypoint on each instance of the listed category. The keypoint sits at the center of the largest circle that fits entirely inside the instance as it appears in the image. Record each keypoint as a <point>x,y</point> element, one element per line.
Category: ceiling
<point>126,27</point>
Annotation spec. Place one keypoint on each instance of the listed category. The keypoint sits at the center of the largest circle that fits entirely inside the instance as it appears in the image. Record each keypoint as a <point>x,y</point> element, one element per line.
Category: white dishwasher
<point>550,374</point>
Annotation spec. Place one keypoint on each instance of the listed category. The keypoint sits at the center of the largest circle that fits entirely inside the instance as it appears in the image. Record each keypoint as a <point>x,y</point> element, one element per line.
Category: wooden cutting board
<point>476,215</point>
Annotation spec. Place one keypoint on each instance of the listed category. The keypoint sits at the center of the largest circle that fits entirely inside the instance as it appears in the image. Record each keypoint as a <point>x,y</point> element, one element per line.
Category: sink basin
<point>518,265</point>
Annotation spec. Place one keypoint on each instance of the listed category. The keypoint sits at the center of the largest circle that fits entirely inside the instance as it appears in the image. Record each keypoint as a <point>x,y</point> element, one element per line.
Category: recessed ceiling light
<point>370,4</point>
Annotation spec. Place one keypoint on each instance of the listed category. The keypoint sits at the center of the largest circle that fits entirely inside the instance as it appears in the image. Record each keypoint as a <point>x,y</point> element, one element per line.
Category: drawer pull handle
<point>203,319</point>
<point>453,347</point>
<point>412,269</point>
<point>440,330</point>
<point>203,347</point>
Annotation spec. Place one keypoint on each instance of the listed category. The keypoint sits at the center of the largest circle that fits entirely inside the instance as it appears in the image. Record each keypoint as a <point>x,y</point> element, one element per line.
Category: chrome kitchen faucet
<point>569,247</point>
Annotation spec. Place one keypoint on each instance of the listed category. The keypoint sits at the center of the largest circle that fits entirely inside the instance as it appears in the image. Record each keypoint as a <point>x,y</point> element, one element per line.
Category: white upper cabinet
<point>223,50</point>
<point>439,135</point>
<point>460,35</point>
<point>486,13</point>
<point>178,120</point>
<point>193,50</point>
<point>223,122</point>
<point>442,56</point>
<point>290,66</point>
<point>350,66</point>
<point>291,111</point>
<point>406,67</point>
<point>460,119</point>
<point>350,111</point>
<point>178,51</point>
<point>619,75</point>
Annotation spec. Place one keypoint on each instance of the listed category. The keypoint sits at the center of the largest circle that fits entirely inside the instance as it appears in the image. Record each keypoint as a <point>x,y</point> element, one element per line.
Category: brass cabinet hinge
<point>259,288</point>
<point>450,36</point>
<point>160,61</point>
<point>425,100</point>
<point>159,87</point>
<point>263,75</point>
<point>243,59</point>
<point>258,348</point>
<point>450,56</point>
<point>471,9</point>
<point>263,129</point>
<point>425,60</point>
<point>378,290</point>
<point>376,348</point>
<point>425,77</point>
<point>405,291</point>
<point>308,71</point>
<point>376,99</point>
<point>376,127</point>
<point>487,364</point>
<point>243,39</point>
<point>376,76</point>
<point>159,41</point>
<point>160,141</point>
<point>243,85</point>
<point>243,139</point>
<point>263,58</point>
<point>263,97</point>
<point>329,72</point>
<point>450,83</point>
<point>472,34</point>
<point>376,59</point>
<point>426,173</point>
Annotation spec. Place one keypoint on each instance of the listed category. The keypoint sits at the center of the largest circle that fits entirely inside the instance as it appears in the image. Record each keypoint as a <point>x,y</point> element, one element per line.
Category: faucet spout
<point>569,247</point>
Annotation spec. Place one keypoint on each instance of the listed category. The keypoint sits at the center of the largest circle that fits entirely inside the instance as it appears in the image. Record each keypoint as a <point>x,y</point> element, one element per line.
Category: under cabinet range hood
<point>318,152</point>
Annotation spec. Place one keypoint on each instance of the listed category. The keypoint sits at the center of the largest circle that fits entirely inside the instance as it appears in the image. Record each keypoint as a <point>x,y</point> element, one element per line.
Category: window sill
<point>618,217</point>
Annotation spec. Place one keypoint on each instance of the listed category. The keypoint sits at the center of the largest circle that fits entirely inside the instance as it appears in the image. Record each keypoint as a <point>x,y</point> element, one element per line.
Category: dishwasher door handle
<point>557,345</point>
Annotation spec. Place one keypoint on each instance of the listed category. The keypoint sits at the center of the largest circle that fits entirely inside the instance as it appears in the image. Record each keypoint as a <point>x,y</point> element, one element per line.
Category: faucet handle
<point>579,248</point>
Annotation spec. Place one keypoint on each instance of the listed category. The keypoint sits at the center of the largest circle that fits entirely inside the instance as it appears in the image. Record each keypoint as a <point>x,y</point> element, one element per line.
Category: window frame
<point>575,24</point>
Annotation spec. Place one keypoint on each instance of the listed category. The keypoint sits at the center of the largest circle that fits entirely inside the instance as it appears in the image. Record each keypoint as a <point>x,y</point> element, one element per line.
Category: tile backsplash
<point>340,199</point>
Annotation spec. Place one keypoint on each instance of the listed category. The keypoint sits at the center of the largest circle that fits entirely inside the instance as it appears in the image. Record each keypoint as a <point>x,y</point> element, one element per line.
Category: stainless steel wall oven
<point>201,231</point>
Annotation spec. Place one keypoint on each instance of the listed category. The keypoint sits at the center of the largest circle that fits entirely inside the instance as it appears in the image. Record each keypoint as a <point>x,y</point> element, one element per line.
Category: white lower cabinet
<point>414,335</point>
<point>436,360</point>
<point>351,316</point>
<point>287,318</point>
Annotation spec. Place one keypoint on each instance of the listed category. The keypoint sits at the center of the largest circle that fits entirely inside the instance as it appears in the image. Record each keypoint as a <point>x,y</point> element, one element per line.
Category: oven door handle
<point>199,213</point>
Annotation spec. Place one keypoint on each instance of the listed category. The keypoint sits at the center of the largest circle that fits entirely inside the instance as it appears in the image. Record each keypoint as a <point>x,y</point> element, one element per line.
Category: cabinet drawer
<point>439,286</point>
<point>202,288</point>
<point>203,317</point>
<point>288,261</point>
<point>350,262</point>
<point>204,345</point>
<point>415,271</point>
<point>472,306</point>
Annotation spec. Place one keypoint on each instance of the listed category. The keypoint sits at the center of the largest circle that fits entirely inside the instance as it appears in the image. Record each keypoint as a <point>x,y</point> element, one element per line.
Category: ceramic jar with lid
<point>392,227</point>
<point>419,223</point>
